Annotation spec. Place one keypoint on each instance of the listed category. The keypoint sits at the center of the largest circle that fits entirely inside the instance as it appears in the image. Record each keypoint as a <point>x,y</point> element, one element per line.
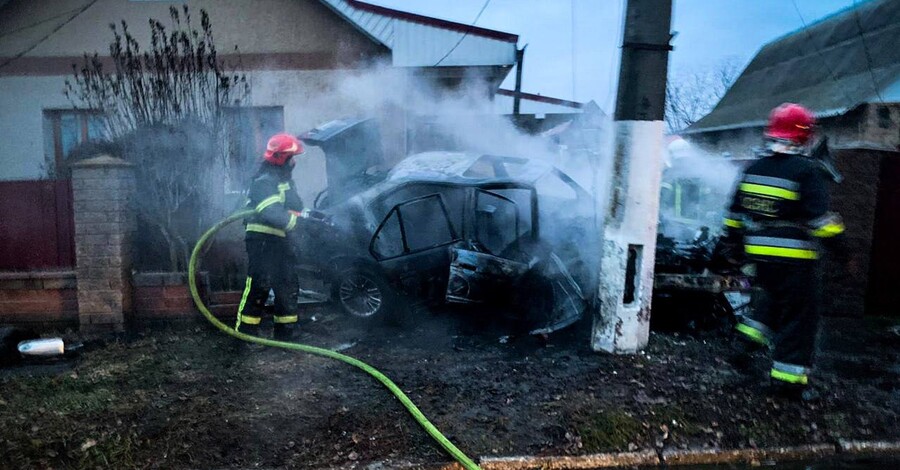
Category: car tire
<point>364,294</point>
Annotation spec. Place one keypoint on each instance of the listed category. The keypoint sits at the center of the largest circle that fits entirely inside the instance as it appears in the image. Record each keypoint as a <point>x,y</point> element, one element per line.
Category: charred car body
<point>461,228</point>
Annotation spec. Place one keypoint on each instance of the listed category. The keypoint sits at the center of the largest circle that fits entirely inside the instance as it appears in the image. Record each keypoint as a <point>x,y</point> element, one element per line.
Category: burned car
<point>466,229</point>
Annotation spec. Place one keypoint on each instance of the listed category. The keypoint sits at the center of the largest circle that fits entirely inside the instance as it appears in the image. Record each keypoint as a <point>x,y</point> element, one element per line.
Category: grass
<point>607,430</point>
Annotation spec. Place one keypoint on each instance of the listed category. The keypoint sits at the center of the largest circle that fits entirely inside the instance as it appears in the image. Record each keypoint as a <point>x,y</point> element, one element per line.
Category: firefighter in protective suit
<point>780,216</point>
<point>269,234</point>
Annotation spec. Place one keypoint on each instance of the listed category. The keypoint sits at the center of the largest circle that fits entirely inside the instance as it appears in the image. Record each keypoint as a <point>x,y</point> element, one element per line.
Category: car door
<point>504,261</point>
<point>411,243</point>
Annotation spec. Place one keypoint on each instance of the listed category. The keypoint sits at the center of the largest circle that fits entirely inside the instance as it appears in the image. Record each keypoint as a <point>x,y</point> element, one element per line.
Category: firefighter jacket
<point>780,208</point>
<point>274,197</point>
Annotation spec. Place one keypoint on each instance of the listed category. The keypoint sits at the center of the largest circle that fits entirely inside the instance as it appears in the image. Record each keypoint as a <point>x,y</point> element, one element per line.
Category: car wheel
<point>363,293</point>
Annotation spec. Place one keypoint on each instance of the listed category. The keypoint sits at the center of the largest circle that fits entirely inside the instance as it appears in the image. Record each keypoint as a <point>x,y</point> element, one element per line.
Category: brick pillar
<point>103,191</point>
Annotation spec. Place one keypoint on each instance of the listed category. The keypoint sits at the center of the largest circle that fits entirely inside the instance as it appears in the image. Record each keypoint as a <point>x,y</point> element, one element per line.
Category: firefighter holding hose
<point>270,231</point>
<point>779,218</point>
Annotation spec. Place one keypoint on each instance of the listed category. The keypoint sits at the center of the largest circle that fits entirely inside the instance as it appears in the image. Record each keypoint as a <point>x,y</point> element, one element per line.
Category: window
<point>413,226</point>
<point>388,242</point>
<point>496,222</point>
<point>68,128</point>
<point>248,131</point>
<point>425,223</point>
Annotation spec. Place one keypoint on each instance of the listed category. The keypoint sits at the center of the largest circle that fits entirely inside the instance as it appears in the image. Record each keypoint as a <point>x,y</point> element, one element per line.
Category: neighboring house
<point>846,69</point>
<point>294,52</point>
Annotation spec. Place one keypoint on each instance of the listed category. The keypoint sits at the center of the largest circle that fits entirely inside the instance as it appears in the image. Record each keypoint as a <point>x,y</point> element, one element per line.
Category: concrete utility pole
<point>629,237</point>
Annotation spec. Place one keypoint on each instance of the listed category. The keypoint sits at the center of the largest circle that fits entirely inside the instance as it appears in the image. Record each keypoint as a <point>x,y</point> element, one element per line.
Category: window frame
<point>54,115</point>
<point>454,234</point>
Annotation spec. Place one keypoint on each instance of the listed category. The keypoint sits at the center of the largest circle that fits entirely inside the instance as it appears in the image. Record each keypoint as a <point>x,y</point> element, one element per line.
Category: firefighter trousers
<point>786,317</point>
<point>271,264</point>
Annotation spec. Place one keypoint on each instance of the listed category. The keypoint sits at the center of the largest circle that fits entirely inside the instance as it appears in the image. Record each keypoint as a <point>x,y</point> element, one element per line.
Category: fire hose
<point>417,414</point>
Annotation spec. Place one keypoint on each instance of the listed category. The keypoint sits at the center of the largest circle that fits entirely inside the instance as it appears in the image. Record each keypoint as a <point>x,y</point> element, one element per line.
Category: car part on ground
<point>687,295</point>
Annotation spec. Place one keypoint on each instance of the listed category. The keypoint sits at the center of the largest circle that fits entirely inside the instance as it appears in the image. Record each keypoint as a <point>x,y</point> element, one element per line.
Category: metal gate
<point>36,225</point>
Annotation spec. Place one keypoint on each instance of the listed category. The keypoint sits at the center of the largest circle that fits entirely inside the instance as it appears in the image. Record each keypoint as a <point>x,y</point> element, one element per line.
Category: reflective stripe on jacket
<point>780,207</point>
<point>273,197</point>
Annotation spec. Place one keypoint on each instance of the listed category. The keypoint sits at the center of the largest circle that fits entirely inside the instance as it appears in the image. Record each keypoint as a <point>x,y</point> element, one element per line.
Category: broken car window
<point>425,224</point>
<point>496,222</point>
<point>388,242</point>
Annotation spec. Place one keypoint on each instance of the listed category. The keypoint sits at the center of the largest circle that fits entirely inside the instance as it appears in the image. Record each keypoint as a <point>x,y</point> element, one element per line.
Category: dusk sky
<point>709,32</point>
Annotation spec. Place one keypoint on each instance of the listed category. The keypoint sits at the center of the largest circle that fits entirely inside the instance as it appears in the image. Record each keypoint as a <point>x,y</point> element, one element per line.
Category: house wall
<point>291,49</point>
<point>257,26</point>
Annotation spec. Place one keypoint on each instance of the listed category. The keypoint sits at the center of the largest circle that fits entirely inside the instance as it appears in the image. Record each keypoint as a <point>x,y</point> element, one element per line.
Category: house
<point>846,69</point>
<point>294,52</point>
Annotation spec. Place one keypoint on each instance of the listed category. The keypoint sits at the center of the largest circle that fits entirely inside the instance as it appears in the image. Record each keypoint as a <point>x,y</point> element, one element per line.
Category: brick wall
<point>855,199</point>
<point>103,191</point>
<point>39,299</point>
<point>162,296</point>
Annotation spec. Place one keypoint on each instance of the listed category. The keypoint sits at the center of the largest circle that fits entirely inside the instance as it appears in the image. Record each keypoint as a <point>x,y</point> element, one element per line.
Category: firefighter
<point>780,214</point>
<point>269,235</point>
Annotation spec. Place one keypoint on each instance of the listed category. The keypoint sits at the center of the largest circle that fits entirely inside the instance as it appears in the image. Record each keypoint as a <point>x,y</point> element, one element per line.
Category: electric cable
<point>51,33</point>
<point>862,39</point>
<point>38,23</point>
<point>850,100</point>
<point>417,414</point>
<point>483,7</point>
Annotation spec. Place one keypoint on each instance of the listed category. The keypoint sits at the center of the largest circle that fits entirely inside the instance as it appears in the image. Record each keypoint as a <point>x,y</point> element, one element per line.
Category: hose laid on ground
<point>410,406</point>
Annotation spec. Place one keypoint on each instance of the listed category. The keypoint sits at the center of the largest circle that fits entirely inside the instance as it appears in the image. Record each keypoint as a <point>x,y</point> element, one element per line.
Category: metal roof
<point>422,41</point>
<point>829,67</point>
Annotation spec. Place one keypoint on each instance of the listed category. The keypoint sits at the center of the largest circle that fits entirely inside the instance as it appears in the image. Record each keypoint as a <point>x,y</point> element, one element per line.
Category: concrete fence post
<point>103,193</point>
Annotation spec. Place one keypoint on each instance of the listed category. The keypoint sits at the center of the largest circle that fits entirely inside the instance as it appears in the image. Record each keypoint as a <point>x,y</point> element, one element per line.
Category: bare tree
<point>690,96</point>
<point>164,107</point>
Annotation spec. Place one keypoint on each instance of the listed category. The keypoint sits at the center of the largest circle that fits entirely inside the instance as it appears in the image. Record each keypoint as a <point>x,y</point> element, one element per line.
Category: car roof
<point>467,169</point>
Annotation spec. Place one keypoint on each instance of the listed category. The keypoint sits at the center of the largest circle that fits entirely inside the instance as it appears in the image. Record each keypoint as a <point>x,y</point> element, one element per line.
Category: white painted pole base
<point>622,324</point>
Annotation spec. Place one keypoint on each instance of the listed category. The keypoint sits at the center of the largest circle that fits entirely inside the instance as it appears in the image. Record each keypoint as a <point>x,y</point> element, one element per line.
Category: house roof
<point>422,41</point>
<point>829,67</point>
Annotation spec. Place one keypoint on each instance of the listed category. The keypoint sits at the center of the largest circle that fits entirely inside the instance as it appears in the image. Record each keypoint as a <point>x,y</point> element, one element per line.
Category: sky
<point>576,56</point>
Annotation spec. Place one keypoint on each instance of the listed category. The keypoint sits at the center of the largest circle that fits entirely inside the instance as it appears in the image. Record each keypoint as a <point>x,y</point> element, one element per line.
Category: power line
<point>51,33</point>
<point>862,38</point>
<point>483,7</point>
<point>38,23</point>
<point>850,100</point>
<point>572,8</point>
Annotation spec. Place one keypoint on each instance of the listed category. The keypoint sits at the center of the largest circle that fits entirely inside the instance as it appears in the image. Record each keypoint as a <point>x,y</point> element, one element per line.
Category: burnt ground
<point>186,396</point>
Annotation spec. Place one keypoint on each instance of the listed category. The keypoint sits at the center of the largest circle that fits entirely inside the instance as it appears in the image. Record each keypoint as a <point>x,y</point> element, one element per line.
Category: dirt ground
<point>186,396</point>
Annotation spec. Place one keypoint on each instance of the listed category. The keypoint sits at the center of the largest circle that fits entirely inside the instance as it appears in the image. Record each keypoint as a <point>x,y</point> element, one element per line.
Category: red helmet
<point>792,122</point>
<point>281,148</point>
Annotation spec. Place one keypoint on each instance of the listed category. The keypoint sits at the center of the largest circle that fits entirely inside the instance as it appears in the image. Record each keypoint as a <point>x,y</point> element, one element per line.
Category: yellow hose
<point>410,406</point>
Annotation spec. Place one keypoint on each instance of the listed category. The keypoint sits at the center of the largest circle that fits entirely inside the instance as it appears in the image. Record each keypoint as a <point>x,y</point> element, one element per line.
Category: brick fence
<point>39,299</point>
<point>103,193</point>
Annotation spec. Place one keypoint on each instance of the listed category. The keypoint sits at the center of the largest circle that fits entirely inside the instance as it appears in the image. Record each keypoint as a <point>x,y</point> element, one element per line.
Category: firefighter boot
<point>794,392</point>
<point>248,329</point>
<point>286,332</point>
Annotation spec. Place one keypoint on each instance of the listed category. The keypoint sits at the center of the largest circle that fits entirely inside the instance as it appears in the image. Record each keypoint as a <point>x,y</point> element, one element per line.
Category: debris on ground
<point>189,397</point>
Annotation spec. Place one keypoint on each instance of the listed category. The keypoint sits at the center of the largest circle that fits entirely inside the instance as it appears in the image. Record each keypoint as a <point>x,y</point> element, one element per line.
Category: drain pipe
<point>622,324</point>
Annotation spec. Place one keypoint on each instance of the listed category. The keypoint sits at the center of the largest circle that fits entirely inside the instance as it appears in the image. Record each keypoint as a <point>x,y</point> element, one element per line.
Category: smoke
<point>419,114</point>
<point>697,187</point>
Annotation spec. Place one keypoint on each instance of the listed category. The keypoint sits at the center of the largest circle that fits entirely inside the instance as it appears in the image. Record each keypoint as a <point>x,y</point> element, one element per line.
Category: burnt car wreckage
<point>511,233</point>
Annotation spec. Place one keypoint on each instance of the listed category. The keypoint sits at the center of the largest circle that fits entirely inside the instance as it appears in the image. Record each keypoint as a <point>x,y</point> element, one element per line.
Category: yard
<point>186,396</point>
